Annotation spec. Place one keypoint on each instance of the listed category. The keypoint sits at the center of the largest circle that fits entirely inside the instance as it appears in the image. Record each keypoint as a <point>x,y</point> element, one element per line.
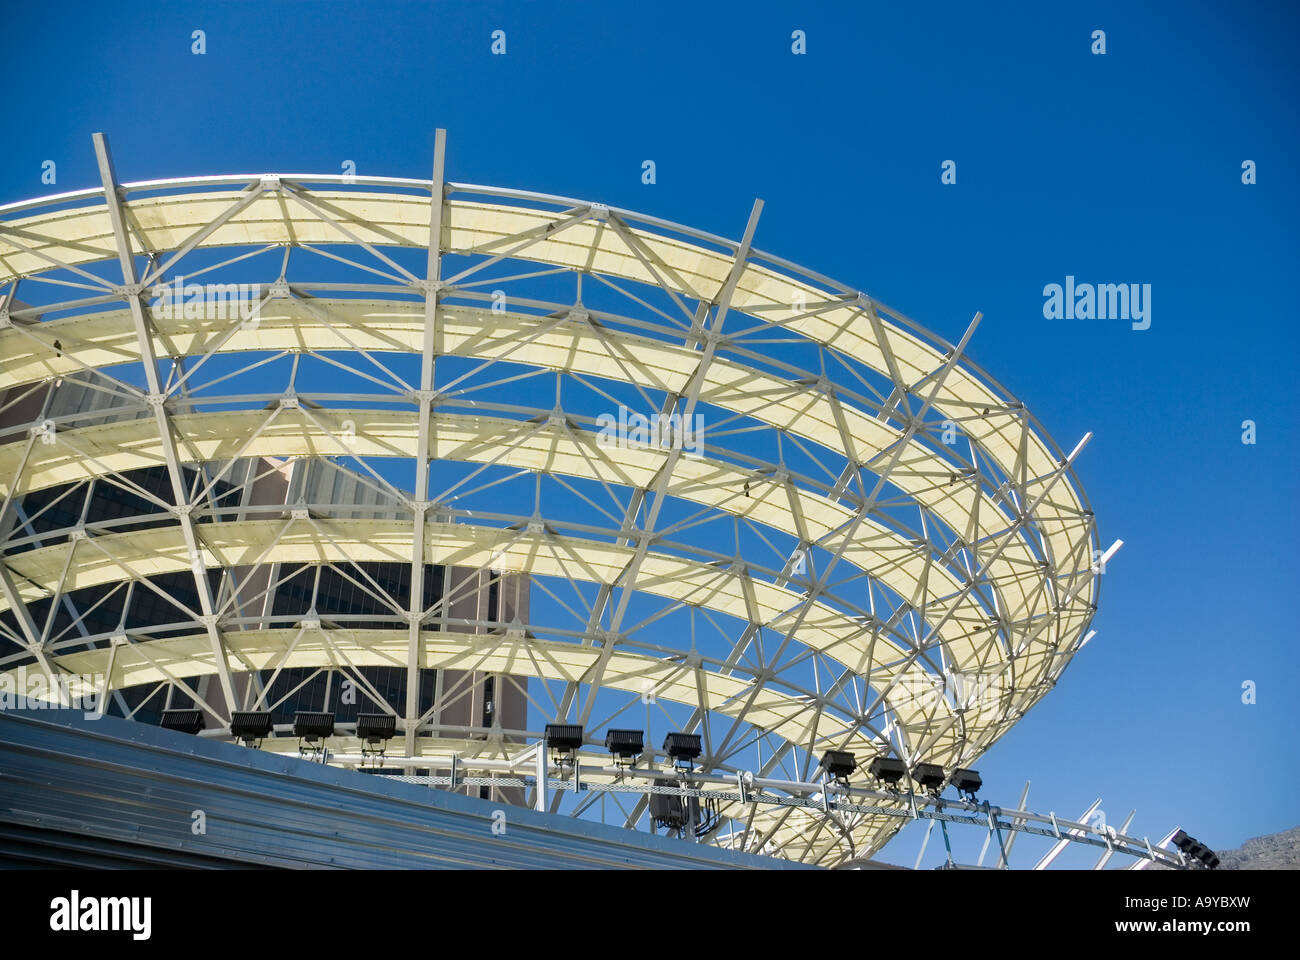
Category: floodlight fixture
<point>1194,850</point>
<point>928,776</point>
<point>375,728</point>
<point>183,721</point>
<point>967,782</point>
<point>683,748</point>
<point>564,741</point>
<point>888,770</point>
<point>625,745</point>
<point>250,726</point>
<point>563,736</point>
<point>1205,855</point>
<point>840,764</point>
<point>313,725</point>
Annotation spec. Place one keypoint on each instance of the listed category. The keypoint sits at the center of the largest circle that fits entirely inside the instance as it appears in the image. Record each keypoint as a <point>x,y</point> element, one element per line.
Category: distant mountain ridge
<point>1275,851</point>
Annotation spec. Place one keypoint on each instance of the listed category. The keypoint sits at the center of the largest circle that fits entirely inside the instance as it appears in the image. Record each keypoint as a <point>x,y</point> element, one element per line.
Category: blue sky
<point>1117,168</point>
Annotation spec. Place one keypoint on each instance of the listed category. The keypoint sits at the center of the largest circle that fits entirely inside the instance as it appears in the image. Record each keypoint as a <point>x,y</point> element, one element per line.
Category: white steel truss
<point>867,545</point>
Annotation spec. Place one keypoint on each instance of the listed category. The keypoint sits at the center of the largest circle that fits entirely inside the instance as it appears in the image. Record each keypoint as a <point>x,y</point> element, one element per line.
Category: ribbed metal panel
<point>98,792</point>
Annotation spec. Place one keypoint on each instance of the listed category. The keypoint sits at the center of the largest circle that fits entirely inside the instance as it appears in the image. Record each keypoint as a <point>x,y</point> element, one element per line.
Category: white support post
<point>539,799</point>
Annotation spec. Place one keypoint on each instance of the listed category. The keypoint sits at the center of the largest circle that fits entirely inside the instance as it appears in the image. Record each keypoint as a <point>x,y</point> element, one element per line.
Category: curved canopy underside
<point>896,558</point>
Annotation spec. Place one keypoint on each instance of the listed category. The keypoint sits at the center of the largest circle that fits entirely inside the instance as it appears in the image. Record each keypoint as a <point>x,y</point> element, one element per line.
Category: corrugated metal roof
<point>97,791</point>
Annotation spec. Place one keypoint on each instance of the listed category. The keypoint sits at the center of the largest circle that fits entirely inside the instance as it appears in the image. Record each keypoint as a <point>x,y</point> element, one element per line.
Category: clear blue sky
<point>1117,168</point>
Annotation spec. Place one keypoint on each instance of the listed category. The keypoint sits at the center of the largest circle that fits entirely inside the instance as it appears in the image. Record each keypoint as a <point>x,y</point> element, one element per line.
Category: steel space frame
<point>828,695</point>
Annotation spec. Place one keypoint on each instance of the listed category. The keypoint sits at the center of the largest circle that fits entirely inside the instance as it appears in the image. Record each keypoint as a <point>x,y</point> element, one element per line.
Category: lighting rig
<point>1195,851</point>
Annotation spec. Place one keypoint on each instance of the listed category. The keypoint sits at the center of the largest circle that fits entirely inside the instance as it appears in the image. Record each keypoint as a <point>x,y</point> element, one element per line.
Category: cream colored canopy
<point>1011,604</point>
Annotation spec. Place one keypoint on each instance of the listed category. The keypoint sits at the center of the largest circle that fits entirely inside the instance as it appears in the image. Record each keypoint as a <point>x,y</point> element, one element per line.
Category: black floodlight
<point>928,776</point>
<point>683,747</point>
<point>313,725</point>
<point>967,782</point>
<point>625,744</point>
<point>840,764</point>
<point>185,721</point>
<point>250,725</point>
<point>887,769</point>
<point>1194,850</point>
<point>564,737</point>
<point>376,727</point>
